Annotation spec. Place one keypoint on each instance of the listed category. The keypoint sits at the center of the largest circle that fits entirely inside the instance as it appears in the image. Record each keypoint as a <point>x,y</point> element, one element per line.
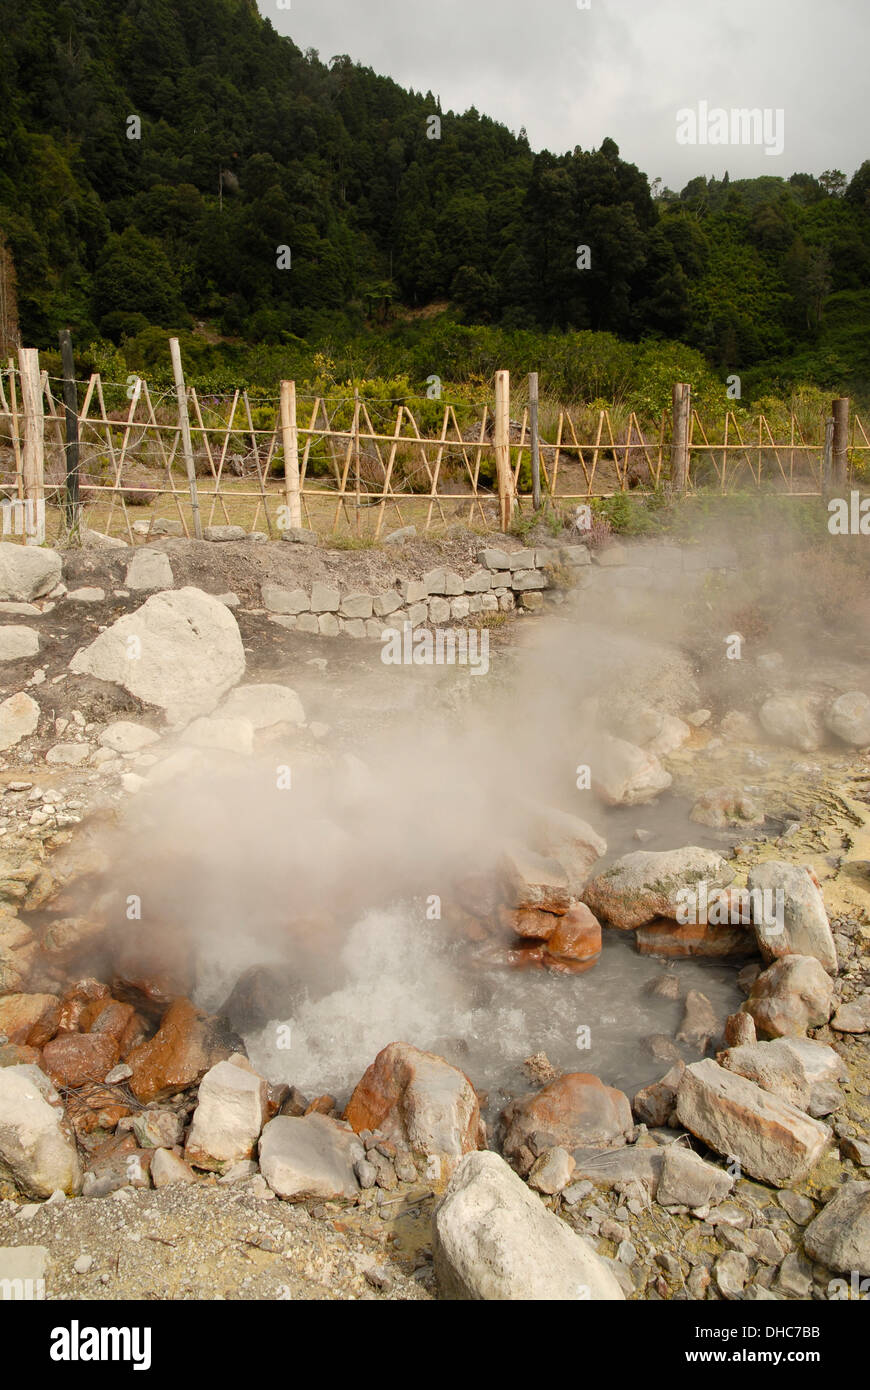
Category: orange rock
<point>74,1001</point>
<point>577,1111</point>
<point>419,1102</point>
<point>534,922</point>
<point>524,957</point>
<point>323,1105</point>
<point>29,1019</point>
<point>107,1016</point>
<point>677,940</point>
<point>136,1032</point>
<point>95,1107</point>
<point>185,1045</point>
<point>576,942</point>
<point>72,1059</point>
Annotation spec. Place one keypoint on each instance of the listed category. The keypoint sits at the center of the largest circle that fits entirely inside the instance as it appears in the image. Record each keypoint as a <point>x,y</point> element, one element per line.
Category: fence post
<point>290,441</point>
<point>827,471</point>
<point>186,441</point>
<point>71,423</point>
<point>536,443</point>
<point>33,460</point>
<point>502,447</point>
<point>682,404</point>
<point>840,448</point>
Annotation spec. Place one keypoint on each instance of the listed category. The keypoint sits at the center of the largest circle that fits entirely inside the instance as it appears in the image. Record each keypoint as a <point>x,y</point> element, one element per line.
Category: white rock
<point>231,735</point>
<point>86,595</point>
<point>181,651</point>
<point>849,718</point>
<point>801,928</point>
<point>312,1156</point>
<point>35,1152</point>
<point>22,1272</point>
<point>149,570</point>
<point>771,1139</point>
<point>625,775</point>
<point>16,642</point>
<point>27,571</point>
<point>168,1168</point>
<point>69,754</point>
<point>647,884</point>
<point>798,1070</point>
<point>19,716</point>
<point>229,1116</point>
<point>793,719</point>
<point>263,705</point>
<point>126,737</point>
<point>495,1241</point>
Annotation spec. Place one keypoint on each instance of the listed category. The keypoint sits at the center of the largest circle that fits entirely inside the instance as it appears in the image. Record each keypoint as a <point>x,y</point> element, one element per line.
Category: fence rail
<point>348,465</point>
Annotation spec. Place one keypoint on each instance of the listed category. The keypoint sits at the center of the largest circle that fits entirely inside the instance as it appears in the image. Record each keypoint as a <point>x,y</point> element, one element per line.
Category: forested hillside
<point>248,145</point>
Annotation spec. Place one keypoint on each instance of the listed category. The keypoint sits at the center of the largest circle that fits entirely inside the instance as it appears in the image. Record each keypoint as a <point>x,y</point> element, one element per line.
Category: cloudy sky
<point>622,68</point>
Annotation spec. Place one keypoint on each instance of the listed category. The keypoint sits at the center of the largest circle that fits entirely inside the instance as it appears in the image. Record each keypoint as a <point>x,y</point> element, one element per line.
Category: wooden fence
<point>345,465</point>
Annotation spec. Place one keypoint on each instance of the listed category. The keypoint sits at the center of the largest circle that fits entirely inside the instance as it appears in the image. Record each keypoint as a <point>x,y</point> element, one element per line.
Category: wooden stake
<point>290,439</point>
<point>682,399</point>
<point>186,442</point>
<point>536,444</point>
<point>33,460</point>
<point>502,447</point>
<point>71,423</point>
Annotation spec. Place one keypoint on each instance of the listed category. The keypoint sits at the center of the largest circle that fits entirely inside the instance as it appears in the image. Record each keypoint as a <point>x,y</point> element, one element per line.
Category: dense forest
<point>184,167</point>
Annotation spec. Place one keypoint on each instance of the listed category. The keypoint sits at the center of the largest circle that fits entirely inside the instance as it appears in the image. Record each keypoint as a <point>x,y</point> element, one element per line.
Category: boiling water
<point>399,979</point>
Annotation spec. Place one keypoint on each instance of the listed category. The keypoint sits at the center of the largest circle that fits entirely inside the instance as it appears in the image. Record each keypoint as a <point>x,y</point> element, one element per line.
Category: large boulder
<point>310,1156</point>
<point>849,719</point>
<point>181,651</point>
<point>230,1113</point>
<point>789,918</point>
<point>186,1045</point>
<point>793,719</point>
<point>576,1111</point>
<point>27,571</point>
<point>644,885</point>
<point>792,995</point>
<point>798,1070</point>
<point>625,775</point>
<point>495,1241</point>
<point>418,1101</point>
<point>770,1138</point>
<point>36,1152</point>
<point>839,1237</point>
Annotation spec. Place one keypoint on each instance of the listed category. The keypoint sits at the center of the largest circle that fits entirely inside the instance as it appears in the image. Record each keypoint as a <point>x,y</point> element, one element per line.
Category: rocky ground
<point>141,1155</point>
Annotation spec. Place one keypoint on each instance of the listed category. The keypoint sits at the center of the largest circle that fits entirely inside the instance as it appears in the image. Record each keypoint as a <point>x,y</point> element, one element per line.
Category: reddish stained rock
<point>533,923</point>
<point>187,1043</point>
<point>419,1101</point>
<point>107,1016</point>
<point>321,1105</point>
<point>95,1107</point>
<point>76,1058</point>
<point>676,941</point>
<point>577,1111</point>
<point>29,1019</point>
<point>576,942</point>
<point>75,999</point>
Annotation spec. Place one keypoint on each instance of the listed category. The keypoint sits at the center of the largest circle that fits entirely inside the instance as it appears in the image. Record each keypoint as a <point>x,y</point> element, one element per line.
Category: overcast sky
<point>622,68</point>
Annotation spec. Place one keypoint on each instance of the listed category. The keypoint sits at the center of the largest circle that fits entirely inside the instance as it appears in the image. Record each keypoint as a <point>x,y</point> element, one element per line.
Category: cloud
<point>622,68</point>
